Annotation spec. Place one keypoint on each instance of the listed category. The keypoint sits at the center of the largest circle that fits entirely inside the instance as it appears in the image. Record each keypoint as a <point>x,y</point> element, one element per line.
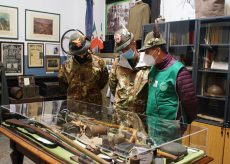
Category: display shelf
<point>213,67</point>
<point>212,98</point>
<point>210,122</point>
<point>204,70</point>
<point>214,45</point>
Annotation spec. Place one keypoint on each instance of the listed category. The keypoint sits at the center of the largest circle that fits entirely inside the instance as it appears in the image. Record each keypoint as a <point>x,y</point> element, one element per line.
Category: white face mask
<point>146,60</point>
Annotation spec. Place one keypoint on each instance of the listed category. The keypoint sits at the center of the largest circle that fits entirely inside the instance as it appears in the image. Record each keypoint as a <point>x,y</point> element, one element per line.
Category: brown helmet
<point>215,90</point>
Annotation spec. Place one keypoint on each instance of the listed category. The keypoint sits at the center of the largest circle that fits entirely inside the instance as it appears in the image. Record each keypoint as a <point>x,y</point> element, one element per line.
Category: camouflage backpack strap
<point>115,64</point>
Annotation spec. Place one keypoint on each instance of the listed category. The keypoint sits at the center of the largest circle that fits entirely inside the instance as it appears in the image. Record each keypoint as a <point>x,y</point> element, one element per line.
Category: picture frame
<point>35,55</point>
<point>52,63</point>
<point>52,49</point>
<point>9,22</point>
<point>42,26</point>
<point>12,57</point>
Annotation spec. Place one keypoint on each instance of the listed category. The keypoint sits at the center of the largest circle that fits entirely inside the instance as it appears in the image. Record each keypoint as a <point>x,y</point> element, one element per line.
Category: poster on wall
<point>8,22</point>
<point>117,15</point>
<point>12,57</point>
<point>42,26</point>
<point>35,55</point>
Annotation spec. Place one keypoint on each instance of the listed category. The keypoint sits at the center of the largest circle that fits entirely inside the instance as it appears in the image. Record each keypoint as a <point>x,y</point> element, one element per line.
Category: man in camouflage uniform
<point>83,74</point>
<point>128,82</point>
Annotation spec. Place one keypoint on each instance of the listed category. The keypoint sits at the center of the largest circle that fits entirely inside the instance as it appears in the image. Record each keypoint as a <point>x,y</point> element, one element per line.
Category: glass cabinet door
<point>212,72</point>
<point>148,28</point>
<point>182,41</point>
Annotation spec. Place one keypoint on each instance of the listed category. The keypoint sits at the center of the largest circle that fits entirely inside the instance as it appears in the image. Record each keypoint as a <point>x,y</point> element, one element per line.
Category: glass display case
<point>76,131</point>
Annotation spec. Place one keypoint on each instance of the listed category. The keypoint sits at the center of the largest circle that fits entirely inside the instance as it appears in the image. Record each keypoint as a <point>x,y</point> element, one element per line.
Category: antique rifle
<point>51,138</point>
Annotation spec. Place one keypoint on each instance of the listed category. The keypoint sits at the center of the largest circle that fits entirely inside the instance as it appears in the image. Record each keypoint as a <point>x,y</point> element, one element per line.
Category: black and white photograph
<point>117,15</point>
<point>12,54</point>
<point>52,49</point>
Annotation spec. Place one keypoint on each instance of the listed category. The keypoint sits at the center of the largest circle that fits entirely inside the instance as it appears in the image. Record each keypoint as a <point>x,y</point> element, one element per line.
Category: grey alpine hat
<point>151,41</point>
<point>78,43</point>
<point>122,39</point>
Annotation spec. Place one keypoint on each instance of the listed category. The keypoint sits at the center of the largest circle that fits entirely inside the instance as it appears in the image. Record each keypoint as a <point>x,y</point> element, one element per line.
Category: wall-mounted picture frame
<point>52,63</point>
<point>8,22</point>
<point>35,55</point>
<point>52,49</point>
<point>12,57</point>
<point>42,26</point>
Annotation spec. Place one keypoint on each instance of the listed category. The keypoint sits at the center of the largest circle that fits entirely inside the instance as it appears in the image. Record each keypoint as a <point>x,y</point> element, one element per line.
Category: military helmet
<point>122,39</point>
<point>151,41</point>
<point>78,43</point>
<point>215,90</point>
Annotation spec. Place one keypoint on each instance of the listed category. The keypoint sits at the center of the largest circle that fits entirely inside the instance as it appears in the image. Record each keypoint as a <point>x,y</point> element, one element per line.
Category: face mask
<point>150,59</point>
<point>145,60</point>
<point>81,60</point>
<point>129,54</point>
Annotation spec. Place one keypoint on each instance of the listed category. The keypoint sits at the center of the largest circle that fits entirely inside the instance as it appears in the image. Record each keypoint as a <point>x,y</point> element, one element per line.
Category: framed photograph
<point>35,55</point>
<point>52,63</point>
<point>117,15</point>
<point>8,22</point>
<point>12,54</point>
<point>52,49</point>
<point>42,26</point>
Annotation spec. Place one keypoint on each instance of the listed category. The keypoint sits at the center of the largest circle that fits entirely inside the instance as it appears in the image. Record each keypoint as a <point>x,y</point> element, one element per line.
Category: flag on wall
<point>89,18</point>
<point>96,42</point>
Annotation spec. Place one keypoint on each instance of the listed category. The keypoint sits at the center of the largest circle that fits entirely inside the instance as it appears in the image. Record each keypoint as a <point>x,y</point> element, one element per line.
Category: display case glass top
<point>116,135</point>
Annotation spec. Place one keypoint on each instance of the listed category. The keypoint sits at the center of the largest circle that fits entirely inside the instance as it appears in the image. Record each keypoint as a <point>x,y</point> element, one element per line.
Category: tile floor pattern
<point>5,151</point>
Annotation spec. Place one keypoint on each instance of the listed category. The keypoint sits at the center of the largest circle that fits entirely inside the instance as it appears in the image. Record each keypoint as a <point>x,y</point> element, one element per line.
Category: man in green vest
<point>171,93</point>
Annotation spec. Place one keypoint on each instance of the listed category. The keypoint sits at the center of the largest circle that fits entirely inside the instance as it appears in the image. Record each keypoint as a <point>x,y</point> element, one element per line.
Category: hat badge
<point>153,41</point>
<point>77,42</point>
<point>117,38</point>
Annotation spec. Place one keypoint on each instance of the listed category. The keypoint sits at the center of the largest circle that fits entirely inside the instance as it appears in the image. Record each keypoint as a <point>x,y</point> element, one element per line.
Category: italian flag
<point>96,42</point>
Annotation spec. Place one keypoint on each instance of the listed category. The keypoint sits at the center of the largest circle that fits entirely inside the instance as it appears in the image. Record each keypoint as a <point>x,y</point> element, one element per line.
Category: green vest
<point>162,96</point>
<point>163,104</point>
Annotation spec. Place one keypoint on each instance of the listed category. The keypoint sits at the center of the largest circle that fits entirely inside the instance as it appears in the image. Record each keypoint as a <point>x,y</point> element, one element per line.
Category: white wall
<point>72,12</point>
<point>174,10</point>
<point>227,7</point>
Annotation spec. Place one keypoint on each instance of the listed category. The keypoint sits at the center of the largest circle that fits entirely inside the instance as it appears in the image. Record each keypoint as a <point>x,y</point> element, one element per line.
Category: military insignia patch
<point>117,38</point>
<point>163,86</point>
<point>77,42</point>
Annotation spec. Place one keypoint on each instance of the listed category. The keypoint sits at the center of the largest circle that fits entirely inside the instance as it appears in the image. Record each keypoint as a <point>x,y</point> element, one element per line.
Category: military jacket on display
<point>84,81</point>
<point>129,87</point>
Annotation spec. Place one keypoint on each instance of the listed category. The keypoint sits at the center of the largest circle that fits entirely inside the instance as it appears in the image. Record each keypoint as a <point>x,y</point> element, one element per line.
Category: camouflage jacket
<point>84,81</point>
<point>129,87</point>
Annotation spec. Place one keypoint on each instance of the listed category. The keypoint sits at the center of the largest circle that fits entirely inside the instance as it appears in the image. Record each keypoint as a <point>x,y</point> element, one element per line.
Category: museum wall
<point>72,15</point>
<point>169,9</point>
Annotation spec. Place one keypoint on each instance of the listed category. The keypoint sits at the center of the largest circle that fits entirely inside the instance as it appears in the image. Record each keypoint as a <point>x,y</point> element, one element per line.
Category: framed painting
<point>35,55</point>
<point>52,49</point>
<point>42,26</point>
<point>12,55</point>
<point>52,63</point>
<point>8,22</point>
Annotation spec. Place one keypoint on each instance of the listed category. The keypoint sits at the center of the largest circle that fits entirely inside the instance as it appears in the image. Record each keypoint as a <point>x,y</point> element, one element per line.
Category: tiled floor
<point>5,151</point>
